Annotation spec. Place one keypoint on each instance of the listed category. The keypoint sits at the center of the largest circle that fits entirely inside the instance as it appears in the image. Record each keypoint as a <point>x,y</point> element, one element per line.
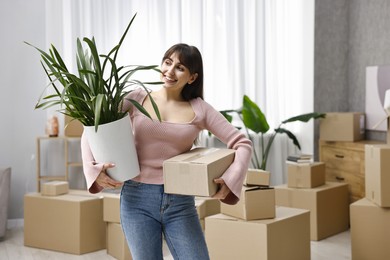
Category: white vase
<point>114,143</point>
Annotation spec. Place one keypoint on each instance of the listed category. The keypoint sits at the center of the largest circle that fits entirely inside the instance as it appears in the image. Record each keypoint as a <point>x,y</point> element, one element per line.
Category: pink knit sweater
<point>157,141</point>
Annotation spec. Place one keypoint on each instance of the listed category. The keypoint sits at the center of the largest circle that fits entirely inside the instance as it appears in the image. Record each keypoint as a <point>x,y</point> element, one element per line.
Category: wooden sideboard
<point>344,162</point>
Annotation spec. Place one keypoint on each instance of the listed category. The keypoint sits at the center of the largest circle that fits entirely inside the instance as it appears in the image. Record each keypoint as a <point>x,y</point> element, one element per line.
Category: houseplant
<point>253,119</point>
<point>95,97</point>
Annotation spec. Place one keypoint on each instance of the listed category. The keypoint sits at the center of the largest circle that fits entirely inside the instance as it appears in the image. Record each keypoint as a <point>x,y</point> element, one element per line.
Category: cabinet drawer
<point>355,182</point>
<point>343,160</point>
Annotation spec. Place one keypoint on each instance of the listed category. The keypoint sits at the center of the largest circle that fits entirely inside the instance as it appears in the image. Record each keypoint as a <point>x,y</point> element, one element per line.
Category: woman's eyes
<point>179,67</point>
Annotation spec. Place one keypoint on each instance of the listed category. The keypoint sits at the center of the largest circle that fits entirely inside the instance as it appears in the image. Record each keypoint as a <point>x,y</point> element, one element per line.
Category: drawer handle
<point>339,178</point>
<point>339,156</point>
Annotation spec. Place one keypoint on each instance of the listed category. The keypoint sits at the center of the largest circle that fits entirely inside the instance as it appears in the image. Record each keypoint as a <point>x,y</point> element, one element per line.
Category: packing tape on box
<point>200,155</point>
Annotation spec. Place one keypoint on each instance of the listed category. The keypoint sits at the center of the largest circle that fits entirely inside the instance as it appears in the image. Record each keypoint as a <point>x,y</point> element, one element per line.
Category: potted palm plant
<point>95,98</point>
<point>253,119</point>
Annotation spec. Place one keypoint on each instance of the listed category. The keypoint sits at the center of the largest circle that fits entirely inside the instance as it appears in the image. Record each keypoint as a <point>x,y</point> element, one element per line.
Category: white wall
<point>22,80</point>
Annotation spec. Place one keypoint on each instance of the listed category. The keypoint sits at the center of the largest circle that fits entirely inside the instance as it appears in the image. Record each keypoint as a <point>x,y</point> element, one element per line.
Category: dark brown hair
<point>191,58</point>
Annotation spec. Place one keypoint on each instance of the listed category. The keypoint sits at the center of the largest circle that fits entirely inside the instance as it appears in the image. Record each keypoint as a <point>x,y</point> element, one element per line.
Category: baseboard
<point>15,223</point>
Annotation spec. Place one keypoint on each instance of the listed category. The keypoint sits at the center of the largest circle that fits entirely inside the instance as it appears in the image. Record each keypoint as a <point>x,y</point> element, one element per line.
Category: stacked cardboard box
<point>55,188</point>
<point>346,126</point>
<point>206,207</point>
<point>255,228</point>
<point>70,223</point>
<point>328,202</point>
<point>328,205</point>
<point>116,241</point>
<point>370,216</point>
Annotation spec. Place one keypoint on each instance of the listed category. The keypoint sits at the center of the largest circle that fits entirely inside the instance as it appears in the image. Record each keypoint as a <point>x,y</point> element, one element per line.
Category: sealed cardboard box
<point>257,177</point>
<point>377,174</point>
<point>55,188</point>
<point>73,128</point>
<point>66,223</point>
<point>370,230</point>
<point>255,203</point>
<point>193,173</point>
<point>116,242</point>
<point>111,208</point>
<point>207,206</point>
<point>287,236</point>
<point>305,175</point>
<point>328,205</point>
<point>347,126</point>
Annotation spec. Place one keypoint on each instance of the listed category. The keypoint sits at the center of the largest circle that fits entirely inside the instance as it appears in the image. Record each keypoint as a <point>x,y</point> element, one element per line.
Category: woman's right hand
<point>106,181</point>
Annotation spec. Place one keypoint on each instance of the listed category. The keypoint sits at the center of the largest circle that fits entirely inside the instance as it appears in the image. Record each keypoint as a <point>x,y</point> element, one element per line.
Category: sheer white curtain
<point>263,49</point>
<point>289,74</point>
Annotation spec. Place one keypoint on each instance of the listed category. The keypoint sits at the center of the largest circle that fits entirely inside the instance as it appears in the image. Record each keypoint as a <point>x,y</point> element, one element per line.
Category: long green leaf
<point>304,117</point>
<point>290,135</point>
<point>253,117</point>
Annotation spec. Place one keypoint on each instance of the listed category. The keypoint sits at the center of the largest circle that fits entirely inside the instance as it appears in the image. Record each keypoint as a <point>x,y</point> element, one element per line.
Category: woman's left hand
<point>223,190</point>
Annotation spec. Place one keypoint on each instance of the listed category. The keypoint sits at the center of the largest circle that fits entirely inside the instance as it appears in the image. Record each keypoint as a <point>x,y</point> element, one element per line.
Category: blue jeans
<point>147,213</point>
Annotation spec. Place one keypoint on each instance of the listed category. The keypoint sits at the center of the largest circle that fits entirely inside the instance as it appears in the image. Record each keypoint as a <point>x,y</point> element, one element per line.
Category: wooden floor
<point>337,247</point>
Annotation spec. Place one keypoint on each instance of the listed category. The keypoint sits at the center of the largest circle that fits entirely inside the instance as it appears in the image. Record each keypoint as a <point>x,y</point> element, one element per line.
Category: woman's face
<point>174,74</point>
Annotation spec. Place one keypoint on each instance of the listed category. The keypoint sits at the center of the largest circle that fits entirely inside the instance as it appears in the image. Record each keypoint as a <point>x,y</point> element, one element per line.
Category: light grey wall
<point>369,44</point>
<point>349,36</point>
<point>21,83</point>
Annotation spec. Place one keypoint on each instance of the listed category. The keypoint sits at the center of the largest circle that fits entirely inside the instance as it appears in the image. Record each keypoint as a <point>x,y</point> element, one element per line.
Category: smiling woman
<point>263,49</point>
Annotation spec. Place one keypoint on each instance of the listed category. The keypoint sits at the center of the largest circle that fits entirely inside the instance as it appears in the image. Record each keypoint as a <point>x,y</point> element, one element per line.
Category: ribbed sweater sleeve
<point>217,124</point>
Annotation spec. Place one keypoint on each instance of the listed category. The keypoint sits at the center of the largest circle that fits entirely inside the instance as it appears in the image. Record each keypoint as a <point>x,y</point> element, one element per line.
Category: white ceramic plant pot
<point>114,143</point>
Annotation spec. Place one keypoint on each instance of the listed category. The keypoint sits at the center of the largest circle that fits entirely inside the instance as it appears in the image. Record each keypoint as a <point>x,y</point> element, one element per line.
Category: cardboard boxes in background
<point>255,203</point>
<point>377,174</point>
<point>328,205</point>
<point>287,236</point>
<point>193,173</point>
<point>370,230</point>
<point>66,223</point>
<point>116,242</point>
<point>55,188</point>
<point>305,175</point>
<point>346,126</point>
<point>73,128</point>
<point>206,207</point>
<point>111,208</point>
<point>257,177</point>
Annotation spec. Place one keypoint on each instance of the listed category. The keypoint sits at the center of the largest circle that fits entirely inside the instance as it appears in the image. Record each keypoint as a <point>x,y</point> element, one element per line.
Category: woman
<point>147,213</point>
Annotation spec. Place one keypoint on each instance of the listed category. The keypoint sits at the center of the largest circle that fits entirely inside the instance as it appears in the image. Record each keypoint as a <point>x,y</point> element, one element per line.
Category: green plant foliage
<point>254,120</point>
<point>94,96</point>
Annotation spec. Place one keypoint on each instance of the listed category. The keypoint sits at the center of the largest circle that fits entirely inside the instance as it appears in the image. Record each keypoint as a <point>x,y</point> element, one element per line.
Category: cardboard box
<point>347,126</point>
<point>73,128</point>
<point>257,177</point>
<point>328,205</point>
<point>305,175</point>
<point>207,206</point>
<point>193,173</point>
<point>255,203</point>
<point>116,242</point>
<point>111,208</point>
<point>370,230</point>
<point>287,236</point>
<point>377,174</point>
<point>66,223</point>
<point>55,188</point>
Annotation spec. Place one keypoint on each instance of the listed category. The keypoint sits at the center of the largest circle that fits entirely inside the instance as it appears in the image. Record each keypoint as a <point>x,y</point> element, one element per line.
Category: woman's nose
<point>170,70</point>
